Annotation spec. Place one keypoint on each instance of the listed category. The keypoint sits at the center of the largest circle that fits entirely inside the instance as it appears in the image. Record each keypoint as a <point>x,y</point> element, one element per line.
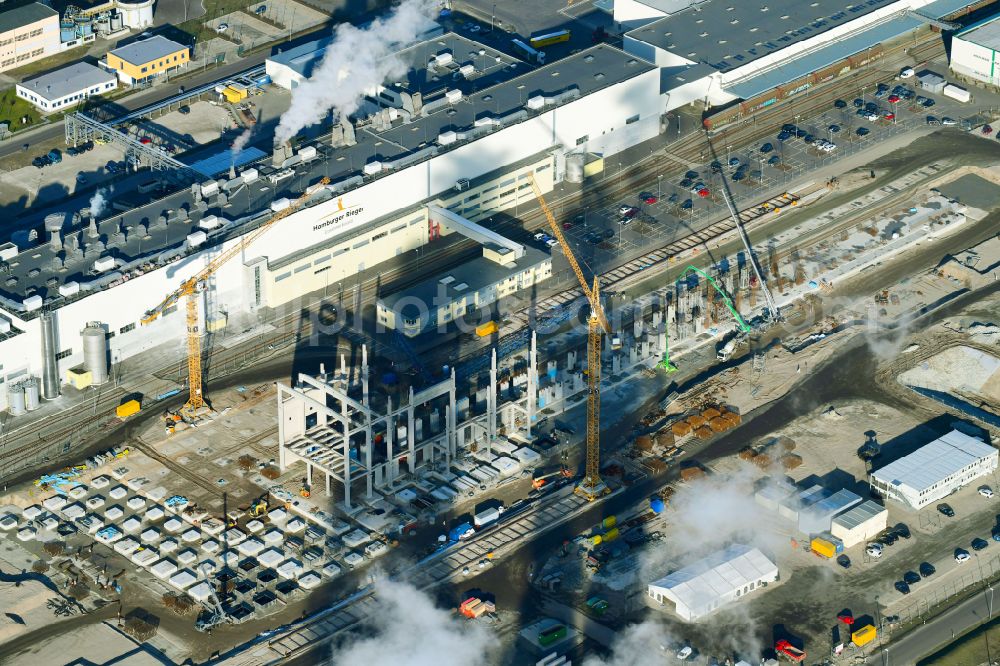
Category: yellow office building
<point>144,59</point>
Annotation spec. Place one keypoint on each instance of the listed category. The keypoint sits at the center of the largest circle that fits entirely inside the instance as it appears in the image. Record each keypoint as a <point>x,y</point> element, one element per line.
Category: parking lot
<point>766,169</point>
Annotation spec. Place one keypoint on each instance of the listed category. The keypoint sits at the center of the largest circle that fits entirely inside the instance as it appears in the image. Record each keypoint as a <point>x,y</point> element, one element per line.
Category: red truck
<point>789,651</point>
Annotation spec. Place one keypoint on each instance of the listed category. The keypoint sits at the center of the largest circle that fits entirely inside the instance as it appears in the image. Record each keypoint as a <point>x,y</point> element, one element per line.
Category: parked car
<point>986,491</point>
<point>687,204</point>
<point>788,127</point>
<point>840,104</point>
<point>844,561</point>
<point>888,538</point>
<point>889,115</point>
<point>962,556</point>
<point>987,130</point>
<point>766,148</point>
<point>948,122</point>
<point>625,209</point>
<point>979,544</point>
<point>691,174</point>
<point>145,141</point>
<point>539,237</point>
<point>946,509</point>
<point>928,103</point>
<point>686,183</point>
<point>784,136</point>
<point>927,569</point>
<point>184,109</point>
<point>834,128</point>
<point>995,532</point>
<point>892,99</point>
<point>858,102</point>
<point>648,198</point>
<point>40,161</point>
<point>911,578</point>
<point>931,120</point>
<point>874,549</point>
<point>222,27</point>
<point>902,587</point>
<point>774,161</point>
<point>902,530</point>
<point>906,73</point>
<point>863,131</point>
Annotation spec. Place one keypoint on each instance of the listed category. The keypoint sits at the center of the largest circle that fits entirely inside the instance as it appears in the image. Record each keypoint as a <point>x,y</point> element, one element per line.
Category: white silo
<point>95,352</point>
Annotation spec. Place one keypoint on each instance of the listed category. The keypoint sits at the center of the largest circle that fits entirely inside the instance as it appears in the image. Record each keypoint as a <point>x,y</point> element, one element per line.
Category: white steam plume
<point>241,142</point>
<point>356,62</point>
<point>409,629</point>
<point>645,644</point>
<point>99,202</point>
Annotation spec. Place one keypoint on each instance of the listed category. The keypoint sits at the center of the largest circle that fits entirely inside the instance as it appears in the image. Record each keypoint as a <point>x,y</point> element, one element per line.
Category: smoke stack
<point>349,138</point>
<point>282,151</point>
<point>232,172</point>
<point>53,226</point>
<point>337,136</point>
<point>92,231</point>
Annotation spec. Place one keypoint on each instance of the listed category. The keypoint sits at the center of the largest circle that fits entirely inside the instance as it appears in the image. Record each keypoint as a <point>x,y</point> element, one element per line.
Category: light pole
<point>658,191</point>
<point>493,17</point>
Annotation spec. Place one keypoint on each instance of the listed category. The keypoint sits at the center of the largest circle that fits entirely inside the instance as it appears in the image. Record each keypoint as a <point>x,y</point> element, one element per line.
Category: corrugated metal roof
<point>808,63</point>
<point>18,17</point>
<point>985,33</point>
<point>701,585</point>
<point>835,503</point>
<point>935,461</point>
<point>942,8</point>
<point>859,515</point>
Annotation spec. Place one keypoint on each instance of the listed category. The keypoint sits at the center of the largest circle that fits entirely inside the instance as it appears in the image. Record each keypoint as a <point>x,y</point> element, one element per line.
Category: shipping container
<point>127,409</point>
<point>550,635</point>
<point>956,92</point>
<point>549,38</point>
<point>611,534</point>
<point>487,516</point>
<point>864,635</point>
<point>823,548</point>
<point>609,522</point>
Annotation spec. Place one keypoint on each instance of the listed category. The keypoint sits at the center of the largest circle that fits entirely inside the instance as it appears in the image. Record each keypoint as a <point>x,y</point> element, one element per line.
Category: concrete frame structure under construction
<point>334,422</point>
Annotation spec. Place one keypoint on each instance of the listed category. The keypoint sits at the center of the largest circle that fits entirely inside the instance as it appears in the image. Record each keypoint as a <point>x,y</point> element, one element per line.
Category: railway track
<point>691,147</point>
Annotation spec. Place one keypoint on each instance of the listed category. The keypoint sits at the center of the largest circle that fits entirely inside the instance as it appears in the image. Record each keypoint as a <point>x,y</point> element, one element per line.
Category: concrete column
<point>410,435</point>
<point>450,418</point>
<point>281,428</point>
<point>346,454</point>
<point>390,432</point>
<point>532,388</point>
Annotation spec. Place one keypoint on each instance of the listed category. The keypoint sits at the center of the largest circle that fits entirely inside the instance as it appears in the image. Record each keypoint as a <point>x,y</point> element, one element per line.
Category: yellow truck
<point>823,548</point>
<point>127,409</point>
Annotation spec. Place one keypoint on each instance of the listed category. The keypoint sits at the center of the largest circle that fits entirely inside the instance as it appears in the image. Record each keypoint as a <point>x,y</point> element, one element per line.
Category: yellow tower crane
<point>592,485</point>
<point>191,287</point>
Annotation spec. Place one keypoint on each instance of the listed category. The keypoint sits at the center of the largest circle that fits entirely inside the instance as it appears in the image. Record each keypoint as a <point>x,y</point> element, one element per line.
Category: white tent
<point>700,588</point>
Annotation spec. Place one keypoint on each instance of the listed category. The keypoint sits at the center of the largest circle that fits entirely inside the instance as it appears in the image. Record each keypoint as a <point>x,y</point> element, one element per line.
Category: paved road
<point>940,631</point>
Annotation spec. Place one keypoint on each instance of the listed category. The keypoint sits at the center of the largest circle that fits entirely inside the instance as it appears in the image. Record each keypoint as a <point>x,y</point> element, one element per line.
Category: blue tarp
<point>220,162</point>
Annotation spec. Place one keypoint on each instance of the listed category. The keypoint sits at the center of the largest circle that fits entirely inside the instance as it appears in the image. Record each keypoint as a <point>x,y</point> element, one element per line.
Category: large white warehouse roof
<point>933,462</point>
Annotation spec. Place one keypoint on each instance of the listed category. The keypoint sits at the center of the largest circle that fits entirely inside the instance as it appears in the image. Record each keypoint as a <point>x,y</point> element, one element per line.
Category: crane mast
<point>190,289</point>
<point>592,485</point>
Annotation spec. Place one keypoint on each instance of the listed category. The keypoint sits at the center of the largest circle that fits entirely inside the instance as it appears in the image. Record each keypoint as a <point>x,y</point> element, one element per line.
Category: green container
<point>552,634</point>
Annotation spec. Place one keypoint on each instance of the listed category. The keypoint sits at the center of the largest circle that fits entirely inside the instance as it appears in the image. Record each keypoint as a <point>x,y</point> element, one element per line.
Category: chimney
<point>337,136</point>
<point>282,151</point>
<point>232,172</point>
<point>349,139</point>
<point>418,103</point>
<point>53,226</point>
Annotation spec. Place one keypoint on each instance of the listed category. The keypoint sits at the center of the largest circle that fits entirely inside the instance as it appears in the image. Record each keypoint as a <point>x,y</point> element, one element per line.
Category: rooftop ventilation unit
<point>447,138</point>
<point>373,168</point>
<point>467,70</point>
<point>442,59</point>
<point>453,96</point>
